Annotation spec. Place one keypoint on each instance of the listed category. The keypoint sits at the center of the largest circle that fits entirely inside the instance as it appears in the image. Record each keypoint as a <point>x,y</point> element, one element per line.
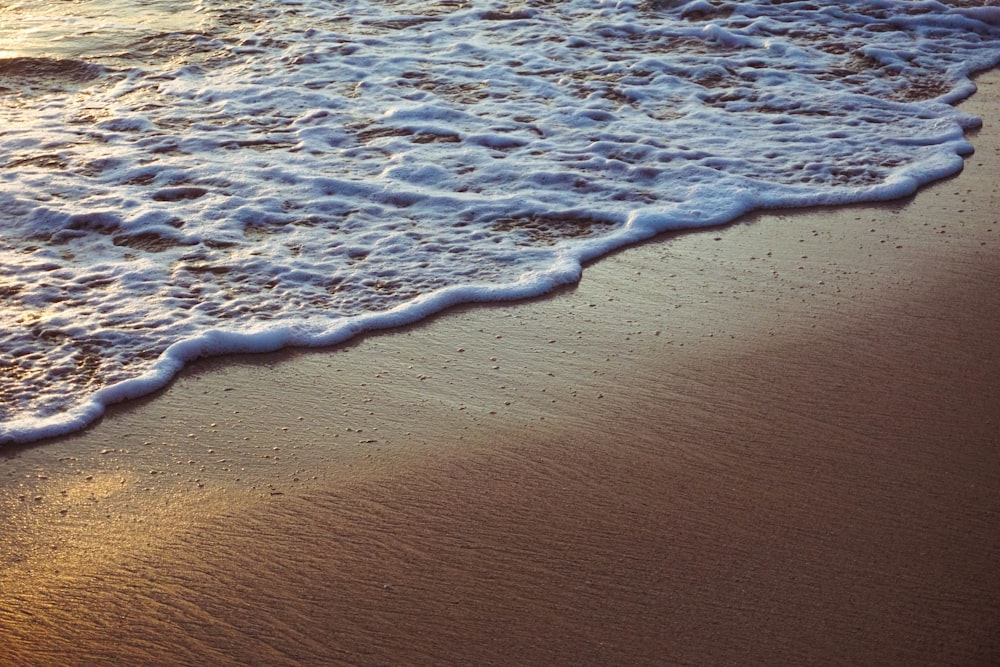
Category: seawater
<point>180,179</point>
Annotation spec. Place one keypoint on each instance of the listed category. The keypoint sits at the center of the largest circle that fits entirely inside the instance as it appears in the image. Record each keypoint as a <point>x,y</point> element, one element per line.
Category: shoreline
<point>769,442</point>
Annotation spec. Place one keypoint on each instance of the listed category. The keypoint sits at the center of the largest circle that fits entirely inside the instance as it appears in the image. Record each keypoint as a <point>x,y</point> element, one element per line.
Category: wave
<point>299,173</point>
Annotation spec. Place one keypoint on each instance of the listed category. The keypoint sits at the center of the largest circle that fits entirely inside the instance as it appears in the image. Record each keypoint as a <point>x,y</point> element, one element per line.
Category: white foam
<point>263,173</point>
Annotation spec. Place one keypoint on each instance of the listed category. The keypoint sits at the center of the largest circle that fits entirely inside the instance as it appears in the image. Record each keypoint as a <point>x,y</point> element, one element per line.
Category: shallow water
<point>192,178</point>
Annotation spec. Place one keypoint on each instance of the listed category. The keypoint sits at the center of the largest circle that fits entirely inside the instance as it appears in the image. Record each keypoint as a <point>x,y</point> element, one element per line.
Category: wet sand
<point>771,443</point>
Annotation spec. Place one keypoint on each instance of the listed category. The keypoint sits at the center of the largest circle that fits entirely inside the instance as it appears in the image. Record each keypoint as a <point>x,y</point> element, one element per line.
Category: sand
<point>771,443</point>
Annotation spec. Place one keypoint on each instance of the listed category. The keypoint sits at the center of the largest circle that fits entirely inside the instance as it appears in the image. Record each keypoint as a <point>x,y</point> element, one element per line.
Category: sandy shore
<point>773,443</point>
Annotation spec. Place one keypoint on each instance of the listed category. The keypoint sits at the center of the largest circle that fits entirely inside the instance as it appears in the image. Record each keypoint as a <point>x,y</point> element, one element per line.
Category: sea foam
<point>249,175</point>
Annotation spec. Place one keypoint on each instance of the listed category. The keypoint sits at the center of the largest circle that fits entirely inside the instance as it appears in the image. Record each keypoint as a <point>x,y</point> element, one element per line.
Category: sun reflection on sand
<point>98,516</point>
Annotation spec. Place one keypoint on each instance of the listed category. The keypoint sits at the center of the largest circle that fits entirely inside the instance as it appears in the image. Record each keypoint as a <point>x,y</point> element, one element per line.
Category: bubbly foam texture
<point>252,175</point>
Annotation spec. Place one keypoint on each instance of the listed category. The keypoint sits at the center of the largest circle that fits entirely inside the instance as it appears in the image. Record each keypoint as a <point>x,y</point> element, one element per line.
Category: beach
<point>774,442</point>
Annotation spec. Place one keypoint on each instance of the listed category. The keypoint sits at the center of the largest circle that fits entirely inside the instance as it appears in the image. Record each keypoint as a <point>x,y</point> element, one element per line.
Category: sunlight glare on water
<point>89,28</point>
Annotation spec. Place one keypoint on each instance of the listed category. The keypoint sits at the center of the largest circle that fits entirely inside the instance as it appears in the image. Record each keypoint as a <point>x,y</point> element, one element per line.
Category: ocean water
<point>187,178</point>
